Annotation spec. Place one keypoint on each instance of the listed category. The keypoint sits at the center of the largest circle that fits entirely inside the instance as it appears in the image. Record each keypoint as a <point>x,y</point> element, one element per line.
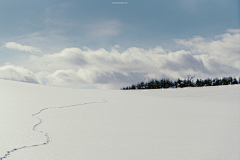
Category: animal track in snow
<point>47,135</point>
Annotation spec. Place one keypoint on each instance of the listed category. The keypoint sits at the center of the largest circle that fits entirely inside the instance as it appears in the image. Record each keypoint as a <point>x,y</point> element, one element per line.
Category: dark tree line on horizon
<point>179,83</point>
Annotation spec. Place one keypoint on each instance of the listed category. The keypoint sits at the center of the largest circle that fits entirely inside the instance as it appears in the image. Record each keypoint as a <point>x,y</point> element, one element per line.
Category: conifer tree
<point>234,81</point>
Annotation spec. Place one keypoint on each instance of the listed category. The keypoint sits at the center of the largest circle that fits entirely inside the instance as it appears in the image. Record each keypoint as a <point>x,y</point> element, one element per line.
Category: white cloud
<point>74,67</point>
<point>116,46</point>
<point>17,46</point>
<point>236,31</point>
<point>104,28</point>
<point>224,50</point>
<point>11,72</point>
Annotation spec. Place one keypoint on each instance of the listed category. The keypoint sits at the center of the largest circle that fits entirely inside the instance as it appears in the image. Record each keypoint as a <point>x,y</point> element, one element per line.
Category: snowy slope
<point>50,123</point>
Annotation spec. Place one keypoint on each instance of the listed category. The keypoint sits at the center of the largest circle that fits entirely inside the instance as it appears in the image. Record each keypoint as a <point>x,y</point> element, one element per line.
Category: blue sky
<point>52,26</point>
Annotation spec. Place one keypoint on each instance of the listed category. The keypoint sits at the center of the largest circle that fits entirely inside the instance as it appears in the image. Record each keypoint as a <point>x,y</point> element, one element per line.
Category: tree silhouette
<point>188,81</point>
<point>234,81</point>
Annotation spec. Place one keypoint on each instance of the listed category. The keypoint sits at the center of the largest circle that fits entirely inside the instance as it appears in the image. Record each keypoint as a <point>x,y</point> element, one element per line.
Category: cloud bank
<point>17,46</point>
<point>83,68</point>
<point>11,72</point>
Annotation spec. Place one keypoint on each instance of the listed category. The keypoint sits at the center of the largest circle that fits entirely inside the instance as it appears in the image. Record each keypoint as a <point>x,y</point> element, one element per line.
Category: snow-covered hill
<point>51,123</point>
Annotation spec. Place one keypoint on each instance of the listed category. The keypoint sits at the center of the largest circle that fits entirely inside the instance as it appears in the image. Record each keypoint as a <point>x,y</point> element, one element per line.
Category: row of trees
<point>187,82</point>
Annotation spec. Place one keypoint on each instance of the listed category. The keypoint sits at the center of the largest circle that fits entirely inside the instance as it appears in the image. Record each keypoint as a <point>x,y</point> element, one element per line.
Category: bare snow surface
<point>50,123</point>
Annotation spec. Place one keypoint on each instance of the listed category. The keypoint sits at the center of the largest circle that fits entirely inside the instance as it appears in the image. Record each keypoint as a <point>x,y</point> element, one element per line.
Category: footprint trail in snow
<point>47,135</point>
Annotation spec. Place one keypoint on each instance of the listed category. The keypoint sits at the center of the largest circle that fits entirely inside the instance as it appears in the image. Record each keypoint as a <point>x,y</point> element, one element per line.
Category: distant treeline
<point>187,82</point>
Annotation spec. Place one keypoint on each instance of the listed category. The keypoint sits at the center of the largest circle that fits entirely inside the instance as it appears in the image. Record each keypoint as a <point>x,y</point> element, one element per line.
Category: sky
<point>110,44</point>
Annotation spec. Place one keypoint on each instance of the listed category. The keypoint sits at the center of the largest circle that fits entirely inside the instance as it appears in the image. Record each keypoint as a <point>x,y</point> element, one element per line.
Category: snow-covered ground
<point>51,123</point>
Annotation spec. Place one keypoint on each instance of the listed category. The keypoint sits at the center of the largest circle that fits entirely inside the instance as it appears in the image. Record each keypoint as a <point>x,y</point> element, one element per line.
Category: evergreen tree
<point>216,82</point>
<point>151,85</point>
<point>224,81</point>
<point>158,84</point>
<point>230,80</point>
<point>198,83</point>
<point>146,85</point>
<point>138,86</point>
<point>133,87</point>
<point>207,82</point>
<point>178,83</point>
<point>234,81</point>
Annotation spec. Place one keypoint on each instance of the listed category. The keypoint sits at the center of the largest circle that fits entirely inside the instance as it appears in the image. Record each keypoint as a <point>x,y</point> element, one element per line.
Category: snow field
<point>192,123</point>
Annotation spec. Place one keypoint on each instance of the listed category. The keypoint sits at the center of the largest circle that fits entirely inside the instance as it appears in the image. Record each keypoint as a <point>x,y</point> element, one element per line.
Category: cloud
<point>84,68</point>
<point>223,50</point>
<point>116,46</point>
<point>184,60</point>
<point>11,72</point>
<point>104,28</point>
<point>236,31</point>
<point>73,66</point>
<point>17,46</point>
